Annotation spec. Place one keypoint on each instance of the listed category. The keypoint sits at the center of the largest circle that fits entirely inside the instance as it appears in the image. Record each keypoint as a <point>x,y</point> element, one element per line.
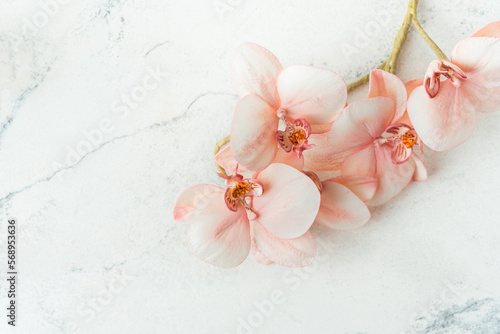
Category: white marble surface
<point>99,250</point>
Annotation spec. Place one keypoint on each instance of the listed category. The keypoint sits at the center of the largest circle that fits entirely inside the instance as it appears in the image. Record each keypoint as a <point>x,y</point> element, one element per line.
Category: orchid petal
<point>479,57</point>
<point>219,236</point>
<point>340,208</point>
<point>297,252</point>
<point>420,174</point>
<point>255,71</point>
<point>411,85</point>
<point>259,257</point>
<point>191,198</point>
<point>253,133</point>
<point>360,123</point>
<point>315,178</point>
<point>363,187</point>
<point>490,30</point>
<point>290,159</point>
<point>444,121</point>
<point>290,201</point>
<point>362,163</point>
<point>392,178</point>
<point>324,156</point>
<point>320,128</point>
<point>312,93</point>
<point>386,84</point>
<point>226,160</point>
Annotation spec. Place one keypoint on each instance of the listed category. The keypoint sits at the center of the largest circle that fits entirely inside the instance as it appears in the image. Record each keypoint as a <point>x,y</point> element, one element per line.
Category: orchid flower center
<point>432,80</point>
<point>295,135</point>
<point>238,190</point>
<point>402,138</point>
<point>409,139</point>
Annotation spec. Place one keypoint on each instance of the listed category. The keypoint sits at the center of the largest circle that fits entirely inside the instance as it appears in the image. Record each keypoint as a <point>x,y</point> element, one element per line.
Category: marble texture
<point>110,108</point>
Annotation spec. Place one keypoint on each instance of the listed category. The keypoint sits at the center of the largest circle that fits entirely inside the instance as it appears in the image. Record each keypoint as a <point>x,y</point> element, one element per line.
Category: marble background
<point>110,108</point>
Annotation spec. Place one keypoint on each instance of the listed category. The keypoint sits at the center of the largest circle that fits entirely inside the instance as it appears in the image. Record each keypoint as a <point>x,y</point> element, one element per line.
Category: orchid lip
<point>295,136</point>
<point>441,67</point>
<point>239,189</point>
<point>402,138</point>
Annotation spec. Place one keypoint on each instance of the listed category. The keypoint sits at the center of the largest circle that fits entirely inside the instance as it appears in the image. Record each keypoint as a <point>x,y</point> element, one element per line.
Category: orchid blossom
<point>443,112</point>
<point>305,99</point>
<point>270,213</point>
<point>342,204</point>
<point>372,134</point>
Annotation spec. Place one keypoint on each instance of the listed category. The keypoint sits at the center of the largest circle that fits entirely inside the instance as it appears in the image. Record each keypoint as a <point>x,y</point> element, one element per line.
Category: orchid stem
<point>218,146</point>
<point>390,64</point>
<point>439,53</point>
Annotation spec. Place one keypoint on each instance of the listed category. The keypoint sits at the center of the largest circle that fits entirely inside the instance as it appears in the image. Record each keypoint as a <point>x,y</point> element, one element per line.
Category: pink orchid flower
<point>443,112</point>
<point>270,213</point>
<point>342,204</point>
<point>305,99</point>
<point>375,139</point>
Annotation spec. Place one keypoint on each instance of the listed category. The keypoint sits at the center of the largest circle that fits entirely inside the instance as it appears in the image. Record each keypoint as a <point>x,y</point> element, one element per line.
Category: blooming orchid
<point>270,213</point>
<point>365,152</point>
<point>342,205</point>
<point>305,99</point>
<point>377,143</point>
<point>443,112</point>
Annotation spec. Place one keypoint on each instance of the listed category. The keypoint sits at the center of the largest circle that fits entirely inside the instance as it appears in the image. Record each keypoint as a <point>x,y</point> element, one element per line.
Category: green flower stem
<point>218,146</point>
<point>439,53</point>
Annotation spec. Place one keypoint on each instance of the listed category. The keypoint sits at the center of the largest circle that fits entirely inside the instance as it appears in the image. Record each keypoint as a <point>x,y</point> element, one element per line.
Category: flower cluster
<point>294,124</point>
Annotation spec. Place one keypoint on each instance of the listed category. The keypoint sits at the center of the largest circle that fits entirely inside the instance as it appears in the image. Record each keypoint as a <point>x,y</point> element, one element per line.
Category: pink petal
<point>259,257</point>
<point>290,201</point>
<point>490,30</point>
<point>192,197</point>
<point>290,159</point>
<point>340,208</point>
<point>411,85</point>
<point>360,123</point>
<point>386,84</point>
<point>314,94</point>
<point>323,156</point>
<point>479,57</point>
<point>392,178</point>
<point>219,236</point>
<point>253,133</point>
<point>363,187</point>
<point>362,163</point>
<point>320,128</point>
<point>420,174</point>
<point>226,160</point>
<point>297,252</point>
<point>445,121</point>
<point>255,71</point>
